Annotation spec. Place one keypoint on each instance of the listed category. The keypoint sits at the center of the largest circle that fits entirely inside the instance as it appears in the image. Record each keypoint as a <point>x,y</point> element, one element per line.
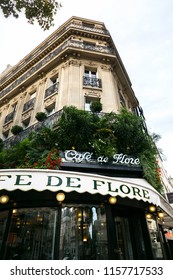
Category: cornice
<point>67,46</point>
<point>57,38</point>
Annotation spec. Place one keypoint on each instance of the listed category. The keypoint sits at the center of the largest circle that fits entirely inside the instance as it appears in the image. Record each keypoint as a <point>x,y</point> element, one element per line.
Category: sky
<point>142,31</point>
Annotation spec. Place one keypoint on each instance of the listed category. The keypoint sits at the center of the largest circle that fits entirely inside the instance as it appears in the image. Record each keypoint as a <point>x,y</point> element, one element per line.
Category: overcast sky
<point>142,31</point>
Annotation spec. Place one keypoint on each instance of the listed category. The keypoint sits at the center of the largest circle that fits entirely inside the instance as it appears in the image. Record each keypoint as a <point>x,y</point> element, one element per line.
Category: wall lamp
<point>160,215</point>
<point>112,199</point>
<point>4,199</point>
<point>152,208</point>
<point>148,216</point>
<point>60,197</point>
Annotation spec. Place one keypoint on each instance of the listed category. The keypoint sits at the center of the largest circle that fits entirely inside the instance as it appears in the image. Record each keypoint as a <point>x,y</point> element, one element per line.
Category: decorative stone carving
<point>93,93</point>
<point>106,67</point>
<point>49,101</point>
<point>6,127</point>
<point>26,116</point>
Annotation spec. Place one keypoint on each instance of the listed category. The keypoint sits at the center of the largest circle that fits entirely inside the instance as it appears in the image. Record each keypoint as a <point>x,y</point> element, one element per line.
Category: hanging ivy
<point>101,134</point>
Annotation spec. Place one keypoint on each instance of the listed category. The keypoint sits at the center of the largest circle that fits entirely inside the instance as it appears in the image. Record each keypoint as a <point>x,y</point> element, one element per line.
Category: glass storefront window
<point>83,233</point>
<point>124,249</point>
<point>31,234</point>
<point>3,222</point>
<point>155,239</point>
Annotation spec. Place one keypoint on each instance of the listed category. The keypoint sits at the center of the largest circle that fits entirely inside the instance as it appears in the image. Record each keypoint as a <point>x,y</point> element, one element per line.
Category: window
<point>26,122</point>
<point>32,95</point>
<point>155,239</point>
<point>88,101</point>
<point>90,73</point>
<point>53,84</point>
<point>14,107</point>
<point>53,80</point>
<point>50,110</point>
<point>83,234</point>
<point>5,134</point>
<point>31,234</point>
<point>90,78</point>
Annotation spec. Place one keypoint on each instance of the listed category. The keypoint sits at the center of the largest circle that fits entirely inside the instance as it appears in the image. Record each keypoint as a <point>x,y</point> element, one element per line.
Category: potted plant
<point>41,116</point>
<point>96,107</point>
<point>16,129</point>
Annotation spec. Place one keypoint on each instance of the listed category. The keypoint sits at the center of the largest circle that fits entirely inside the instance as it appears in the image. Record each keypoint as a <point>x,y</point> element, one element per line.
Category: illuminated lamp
<point>112,199</point>
<point>160,215</point>
<point>85,239</point>
<point>152,208</point>
<point>4,199</point>
<point>60,197</point>
<point>148,216</point>
<point>14,211</point>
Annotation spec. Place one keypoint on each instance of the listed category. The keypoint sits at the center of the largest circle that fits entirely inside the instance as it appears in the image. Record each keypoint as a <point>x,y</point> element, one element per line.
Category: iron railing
<point>52,89</point>
<point>49,122</point>
<point>93,82</point>
<point>9,117</point>
<point>50,56</point>
<point>28,105</point>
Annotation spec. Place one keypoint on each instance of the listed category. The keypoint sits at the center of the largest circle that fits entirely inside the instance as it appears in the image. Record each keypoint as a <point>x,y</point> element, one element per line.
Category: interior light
<point>85,239</point>
<point>160,215</point>
<point>152,208</point>
<point>4,199</point>
<point>148,216</point>
<point>60,197</point>
<point>14,211</point>
<point>112,199</point>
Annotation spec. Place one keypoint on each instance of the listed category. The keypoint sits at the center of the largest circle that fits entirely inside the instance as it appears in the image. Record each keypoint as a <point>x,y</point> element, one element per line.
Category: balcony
<point>92,82</point>
<point>29,105</point>
<point>40,64</point>
<point>52,89</point>
<point>9,117</point>
<point>50,122</point>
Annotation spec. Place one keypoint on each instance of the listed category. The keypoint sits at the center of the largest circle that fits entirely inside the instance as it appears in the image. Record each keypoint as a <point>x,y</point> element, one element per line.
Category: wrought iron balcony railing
<point>52,89</point>
<point>93,82</point>
<point>50,56</point>
<point>50,122</point>
<point>28,105</point>
<point>9,117</point>
<point>57,35</point>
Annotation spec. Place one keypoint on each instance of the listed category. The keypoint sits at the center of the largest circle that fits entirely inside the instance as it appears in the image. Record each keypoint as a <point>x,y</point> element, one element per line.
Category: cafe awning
<point>67,181</point>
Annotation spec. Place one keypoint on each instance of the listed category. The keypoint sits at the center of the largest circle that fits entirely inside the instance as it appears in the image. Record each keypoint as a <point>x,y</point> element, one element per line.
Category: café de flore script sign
<point>116,159</point>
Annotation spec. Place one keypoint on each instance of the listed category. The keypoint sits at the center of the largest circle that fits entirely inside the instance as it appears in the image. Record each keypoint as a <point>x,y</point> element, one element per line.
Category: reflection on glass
<point>124,247</point>
<point>3,221</point>
<point>31,234</point>
<point>83,233</point>
<point>155,239</point>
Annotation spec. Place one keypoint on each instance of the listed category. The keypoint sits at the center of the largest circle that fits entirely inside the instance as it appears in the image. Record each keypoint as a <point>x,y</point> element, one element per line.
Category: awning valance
<point>58,180</point>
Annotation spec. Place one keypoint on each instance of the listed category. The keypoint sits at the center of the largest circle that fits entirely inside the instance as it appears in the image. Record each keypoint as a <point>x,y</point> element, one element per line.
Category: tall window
<point>90,78</point>
<point>90,73</point>
<point>88,101</point>
<point>31,101</point>
<point>83,234</point>
<point>31,234</point>
<point>52,86</point>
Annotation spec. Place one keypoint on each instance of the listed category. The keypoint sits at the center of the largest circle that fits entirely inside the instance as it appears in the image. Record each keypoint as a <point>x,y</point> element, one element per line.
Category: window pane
<point>31,234</point>
<point>83,234</point>
<point>124,247</point>
<point>3,221</point>
<point>155,239</point>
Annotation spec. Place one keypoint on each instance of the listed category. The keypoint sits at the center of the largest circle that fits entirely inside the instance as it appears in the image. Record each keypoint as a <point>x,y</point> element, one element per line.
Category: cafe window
<point>155,239</point>
<point>31,234</point>
<point>83,234</point>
